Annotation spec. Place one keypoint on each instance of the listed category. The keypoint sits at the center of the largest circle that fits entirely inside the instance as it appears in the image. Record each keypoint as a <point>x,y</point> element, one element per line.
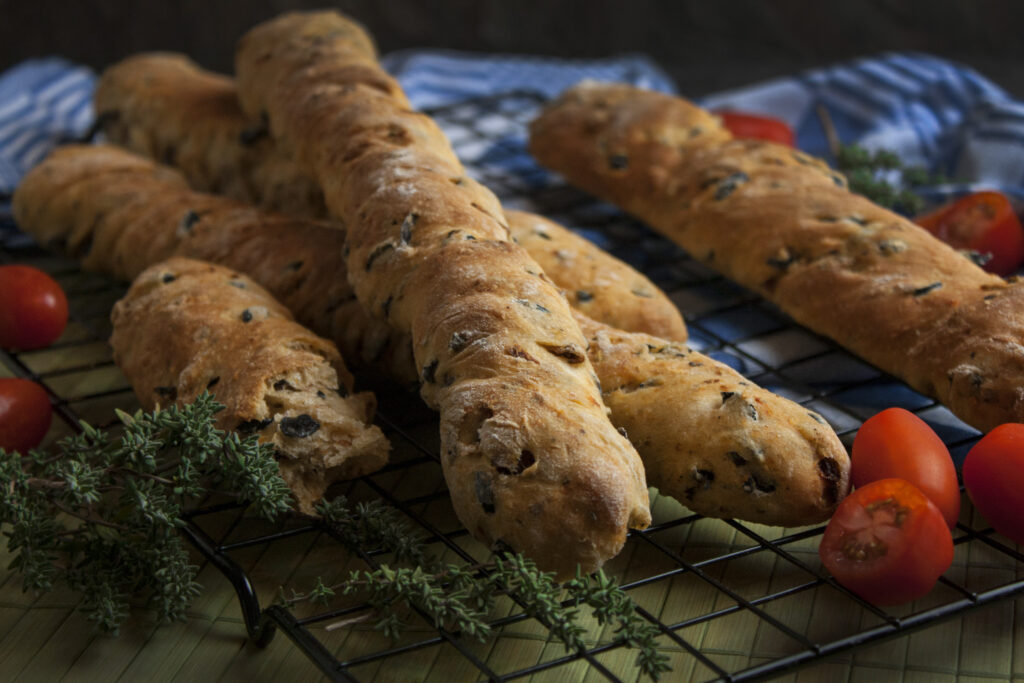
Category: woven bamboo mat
<point>45,638</point>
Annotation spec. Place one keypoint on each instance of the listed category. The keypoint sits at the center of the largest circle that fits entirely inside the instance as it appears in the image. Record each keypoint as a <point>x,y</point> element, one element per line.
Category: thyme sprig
<point>100,514</point>
<point>881,177</point>
<point>461,598</point>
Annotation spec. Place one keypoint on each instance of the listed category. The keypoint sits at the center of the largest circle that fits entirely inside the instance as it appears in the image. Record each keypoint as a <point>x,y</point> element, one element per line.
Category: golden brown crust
<point>163,106</point>
<point>165,102</point>
<point>302,263</point>
<point>186,327</point>
<point>715,441</point>
<point>784,225</point>
<point>150,214</point>
<point>491,335</point>
<point>596,283</point>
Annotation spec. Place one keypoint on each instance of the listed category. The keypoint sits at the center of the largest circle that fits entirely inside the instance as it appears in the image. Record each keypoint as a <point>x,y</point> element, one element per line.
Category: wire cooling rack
<point>732,601</point>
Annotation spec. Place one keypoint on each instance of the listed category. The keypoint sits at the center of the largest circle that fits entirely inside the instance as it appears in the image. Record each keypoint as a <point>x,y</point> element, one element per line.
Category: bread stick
<point>528,452</point>
<point>186,327</point>
<point>165,107</point>
<point>596,283</point>
<point>667,397</point>
<point>786,226</point>
<point>81,191</point>
<point>715,441</point>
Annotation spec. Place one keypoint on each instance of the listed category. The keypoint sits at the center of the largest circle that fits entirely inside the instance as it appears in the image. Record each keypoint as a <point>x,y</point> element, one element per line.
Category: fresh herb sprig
<point>880,176</point>
<point>871,174</point>
<point>100,514</point>
<point>461,598</point>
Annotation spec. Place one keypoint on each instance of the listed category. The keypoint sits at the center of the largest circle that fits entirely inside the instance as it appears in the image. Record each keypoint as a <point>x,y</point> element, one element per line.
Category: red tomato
<point>994,476</point>
<point>760,127</point>
<point>887,543</point>
<point>895,443</point>
<point>25,414</point>
<point>33,308</point>
<point>984,222</point>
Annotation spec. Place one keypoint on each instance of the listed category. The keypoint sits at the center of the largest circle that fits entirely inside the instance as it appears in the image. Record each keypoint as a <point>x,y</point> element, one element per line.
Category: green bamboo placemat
<point>44,638</point>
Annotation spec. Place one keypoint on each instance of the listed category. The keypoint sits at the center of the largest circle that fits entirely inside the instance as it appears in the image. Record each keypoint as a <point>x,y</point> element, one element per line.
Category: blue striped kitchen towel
<point>929,110</point>
<point>42,102</point>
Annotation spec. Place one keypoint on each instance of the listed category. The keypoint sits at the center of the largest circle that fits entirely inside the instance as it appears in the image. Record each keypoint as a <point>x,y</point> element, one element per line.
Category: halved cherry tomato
<point>897,443</point>
<point>984,222</point>
<point>25,414</point>
<point>994,477</point>
<point>887,543</point>
<point>744,125</point>
<point>33,308</point>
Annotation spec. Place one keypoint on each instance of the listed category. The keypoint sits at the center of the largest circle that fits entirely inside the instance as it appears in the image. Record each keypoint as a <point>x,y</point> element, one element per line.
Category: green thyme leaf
<point>881,177</point>
<point>100,514</point>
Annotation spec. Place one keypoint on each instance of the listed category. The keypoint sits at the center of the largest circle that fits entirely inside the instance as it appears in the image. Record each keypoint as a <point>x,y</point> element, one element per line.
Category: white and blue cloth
<point>930,111</point>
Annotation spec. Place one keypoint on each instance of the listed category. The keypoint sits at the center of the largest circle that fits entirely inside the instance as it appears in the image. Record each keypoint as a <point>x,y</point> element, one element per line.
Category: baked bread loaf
<point>186,327</point>
<point>785,226</point>
<point>165,107</point>
<point>528,452</point>
<point>149,214</point>
<point>596,283</point>
<point>667,397</point>
<point>713,440</point>
<point>145,213</point>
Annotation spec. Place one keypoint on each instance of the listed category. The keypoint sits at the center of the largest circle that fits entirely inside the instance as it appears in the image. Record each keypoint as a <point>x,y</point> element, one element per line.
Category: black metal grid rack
<point>716,589</point>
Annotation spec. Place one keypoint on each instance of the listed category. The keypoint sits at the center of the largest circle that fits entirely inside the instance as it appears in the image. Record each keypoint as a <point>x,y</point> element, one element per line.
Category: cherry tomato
<point>895,443</point>
<point>33,308</point>
<point>994,476</point>
<point>760,127</point>
<point>984,222</point>
<point>887,543</point>
<point>25,414</point>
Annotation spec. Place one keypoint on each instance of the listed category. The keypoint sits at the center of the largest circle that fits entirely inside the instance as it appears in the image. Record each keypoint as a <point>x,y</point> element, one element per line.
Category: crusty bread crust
<point>596,283</point>
<point>155,104</point>
<point>163,106</point>
<point>186,327</point>
<point>667,397</point>
<point>528,452</point>
<point>712,439</point>
<point>147,213</point>
<point>785,226</point>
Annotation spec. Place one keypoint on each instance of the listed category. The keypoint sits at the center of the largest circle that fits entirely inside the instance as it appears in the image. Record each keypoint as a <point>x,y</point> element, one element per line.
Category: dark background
<point>706,45</point>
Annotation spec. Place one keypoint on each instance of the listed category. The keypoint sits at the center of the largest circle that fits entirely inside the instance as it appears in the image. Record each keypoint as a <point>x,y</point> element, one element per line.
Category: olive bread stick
<point>647,380</point>
<point>154,216</point>
<point>715,441</point>
<point>782,224</point>
<point>596,283</point>
<point>157,104</point>
<point>186,327</point>
<point>298,260</point>
<point>528,452</point>
<point>163,106</point>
